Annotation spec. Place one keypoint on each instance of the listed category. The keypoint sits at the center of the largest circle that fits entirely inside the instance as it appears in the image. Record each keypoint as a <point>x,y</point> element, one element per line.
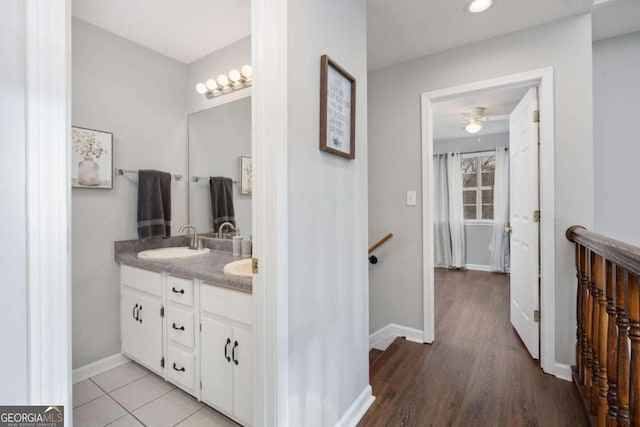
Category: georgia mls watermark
<point>31,416</point>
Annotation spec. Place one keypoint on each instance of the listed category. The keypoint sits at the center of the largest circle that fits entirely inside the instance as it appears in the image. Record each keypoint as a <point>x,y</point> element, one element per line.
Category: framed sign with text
<point>337,109</point>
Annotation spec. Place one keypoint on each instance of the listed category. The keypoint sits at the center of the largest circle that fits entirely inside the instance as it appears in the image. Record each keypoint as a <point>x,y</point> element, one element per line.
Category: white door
<point>243,375</point>
<point>524,201</point>
<point>216,346</point>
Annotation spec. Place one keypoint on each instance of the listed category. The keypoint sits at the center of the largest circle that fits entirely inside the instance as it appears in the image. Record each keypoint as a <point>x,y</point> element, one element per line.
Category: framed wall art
<point>337,109</point>
<point>91,159</point>
<point>246,175</point>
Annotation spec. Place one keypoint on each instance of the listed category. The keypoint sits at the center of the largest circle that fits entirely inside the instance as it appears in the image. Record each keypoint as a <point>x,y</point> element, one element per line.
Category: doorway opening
<point>474,206</point>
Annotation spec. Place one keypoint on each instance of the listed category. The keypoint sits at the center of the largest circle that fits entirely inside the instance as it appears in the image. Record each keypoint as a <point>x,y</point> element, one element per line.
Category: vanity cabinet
<point>197,335</point>
<point>141,317</point>
<point>227,351</point>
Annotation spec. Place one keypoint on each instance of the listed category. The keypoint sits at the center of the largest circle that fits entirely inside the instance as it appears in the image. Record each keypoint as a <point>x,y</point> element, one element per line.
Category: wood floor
<point>477,373</point>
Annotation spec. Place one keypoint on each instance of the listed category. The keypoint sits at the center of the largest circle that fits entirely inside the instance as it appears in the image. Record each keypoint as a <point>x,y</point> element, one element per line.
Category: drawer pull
<point>133,312</point>
<point>175,367</point>
<point>226,350</point>
<point>175,291</point>
<point>138,317</point>
<point>233,352</point>
<point>181,328</point>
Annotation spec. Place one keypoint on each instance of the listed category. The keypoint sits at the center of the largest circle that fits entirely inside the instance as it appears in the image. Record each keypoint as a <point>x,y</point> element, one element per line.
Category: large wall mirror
<point>218,138</point>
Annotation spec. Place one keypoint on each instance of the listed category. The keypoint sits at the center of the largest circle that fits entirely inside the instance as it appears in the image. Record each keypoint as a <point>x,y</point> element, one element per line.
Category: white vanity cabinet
<point>227,349</point>
<point>197,335</point>
<point>141,317</point>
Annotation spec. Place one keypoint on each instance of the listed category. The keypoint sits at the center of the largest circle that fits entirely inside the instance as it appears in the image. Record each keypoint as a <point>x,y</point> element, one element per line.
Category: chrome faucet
<point>192,237</point>
<point>225,224</point>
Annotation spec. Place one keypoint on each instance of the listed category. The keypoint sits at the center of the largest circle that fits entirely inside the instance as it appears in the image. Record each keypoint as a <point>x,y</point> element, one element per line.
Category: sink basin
<point>171,253</point>
<point>240,268</point>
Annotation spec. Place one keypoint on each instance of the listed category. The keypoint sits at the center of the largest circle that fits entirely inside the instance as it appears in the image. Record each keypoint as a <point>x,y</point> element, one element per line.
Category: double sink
<point>240,268</point>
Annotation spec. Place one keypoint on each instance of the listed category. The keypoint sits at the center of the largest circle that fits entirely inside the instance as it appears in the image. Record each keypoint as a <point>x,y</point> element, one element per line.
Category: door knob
<point>508,229</point>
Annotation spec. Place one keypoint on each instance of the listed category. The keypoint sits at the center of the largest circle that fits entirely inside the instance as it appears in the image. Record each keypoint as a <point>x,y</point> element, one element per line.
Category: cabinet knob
<point>233,352</point>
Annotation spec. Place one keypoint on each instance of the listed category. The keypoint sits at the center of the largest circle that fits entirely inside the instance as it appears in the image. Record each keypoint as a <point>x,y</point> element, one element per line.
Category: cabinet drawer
<point>180,290</point>
<point>227,303</point>
<point>181,368</point>
<point>141,279</point>
<point>181,326</point>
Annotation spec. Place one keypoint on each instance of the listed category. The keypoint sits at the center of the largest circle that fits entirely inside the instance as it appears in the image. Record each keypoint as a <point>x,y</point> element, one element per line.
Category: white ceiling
<point>615,17</point>
<point>449,120</point>
<point>400,30</point>
<point>185,30</point>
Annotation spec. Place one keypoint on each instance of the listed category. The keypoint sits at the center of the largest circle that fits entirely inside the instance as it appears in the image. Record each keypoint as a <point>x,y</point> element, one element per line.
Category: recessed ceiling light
<point>477,6</point>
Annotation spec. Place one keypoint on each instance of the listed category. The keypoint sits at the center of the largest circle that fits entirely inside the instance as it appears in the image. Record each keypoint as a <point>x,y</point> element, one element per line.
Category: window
<point>477,187</point>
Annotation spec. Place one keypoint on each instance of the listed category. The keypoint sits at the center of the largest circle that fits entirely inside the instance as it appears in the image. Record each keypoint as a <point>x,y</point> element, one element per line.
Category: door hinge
<point>162,362</point>
<point>254,265</point>
<point>536,116</point>
<point>200,385</point>
<point>161,311</point>
<point>536,316</point>
<point>200,327</point>
<point>536,216</point>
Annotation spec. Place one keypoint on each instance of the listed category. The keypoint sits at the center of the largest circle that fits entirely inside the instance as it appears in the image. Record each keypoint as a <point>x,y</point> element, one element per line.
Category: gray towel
<point>154,204</point>
<point>221,201</point>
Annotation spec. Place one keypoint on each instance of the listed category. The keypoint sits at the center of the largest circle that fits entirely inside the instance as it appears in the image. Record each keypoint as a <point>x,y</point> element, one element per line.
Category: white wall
<point>478,236</point>
<point>328,270</point>
<point>616,89</point>
<point>217,138</point>
<point>140,96</point>
<point>13,262</point>
<point>219,62</point>
<point>395,157</point>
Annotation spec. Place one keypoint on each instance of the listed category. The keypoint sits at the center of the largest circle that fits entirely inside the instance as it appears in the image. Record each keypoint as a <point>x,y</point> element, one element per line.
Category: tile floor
<point>130,395</point>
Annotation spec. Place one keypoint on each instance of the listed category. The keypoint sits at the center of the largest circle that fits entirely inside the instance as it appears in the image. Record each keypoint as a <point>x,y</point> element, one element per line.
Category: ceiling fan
<point>475,119</point>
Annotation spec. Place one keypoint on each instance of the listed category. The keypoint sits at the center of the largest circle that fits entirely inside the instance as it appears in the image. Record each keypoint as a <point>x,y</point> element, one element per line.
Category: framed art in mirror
<point>246,175</point>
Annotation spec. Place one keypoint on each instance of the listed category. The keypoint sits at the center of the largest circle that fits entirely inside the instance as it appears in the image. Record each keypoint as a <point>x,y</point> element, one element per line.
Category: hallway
<point>477,373</point>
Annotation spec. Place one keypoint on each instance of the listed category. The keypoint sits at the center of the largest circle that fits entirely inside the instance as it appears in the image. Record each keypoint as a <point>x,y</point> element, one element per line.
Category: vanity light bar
<point>226,83</point>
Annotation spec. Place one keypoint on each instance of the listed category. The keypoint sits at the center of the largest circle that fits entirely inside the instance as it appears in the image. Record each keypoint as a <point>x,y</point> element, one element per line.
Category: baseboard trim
<point>563,372</point>
<point>98,367</point>
<point>383,337</point>
<point>357,409</point>
<point>478,267</point>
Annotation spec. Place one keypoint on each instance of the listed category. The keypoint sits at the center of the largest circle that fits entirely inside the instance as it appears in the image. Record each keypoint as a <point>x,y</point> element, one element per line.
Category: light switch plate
<point>411,198</point>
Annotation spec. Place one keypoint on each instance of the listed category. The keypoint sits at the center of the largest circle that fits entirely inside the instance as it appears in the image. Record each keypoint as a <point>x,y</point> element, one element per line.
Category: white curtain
<point>442,237</point>
<point>456,214</point>
<point>500,241</point>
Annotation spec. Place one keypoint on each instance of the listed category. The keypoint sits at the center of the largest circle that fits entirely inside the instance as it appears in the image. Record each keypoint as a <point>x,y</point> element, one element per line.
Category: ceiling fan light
<point>477,6</point>
<point>473,127</point>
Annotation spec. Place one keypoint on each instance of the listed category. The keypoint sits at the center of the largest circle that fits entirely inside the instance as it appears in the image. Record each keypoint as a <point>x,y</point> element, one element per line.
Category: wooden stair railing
<point>607,365</point>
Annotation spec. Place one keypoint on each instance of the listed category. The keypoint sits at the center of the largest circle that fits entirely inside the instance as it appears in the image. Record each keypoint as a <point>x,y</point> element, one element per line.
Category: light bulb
<point>247,71</point>
<point>234,76</point>
<point>477,6</point>
<point>223,80</point>
<point>212,84</point>
<point>201,88</point>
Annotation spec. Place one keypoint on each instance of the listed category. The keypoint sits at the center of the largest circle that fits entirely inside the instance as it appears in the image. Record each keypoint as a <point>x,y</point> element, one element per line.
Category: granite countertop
<point>207,267</point>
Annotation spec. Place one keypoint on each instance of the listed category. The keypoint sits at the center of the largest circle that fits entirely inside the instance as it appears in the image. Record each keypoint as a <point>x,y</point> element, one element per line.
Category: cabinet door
<point>129,326</point>
<point>142,328</point>
<point>243,353</point>
<point>150,322</point>
<point>215,370</point>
